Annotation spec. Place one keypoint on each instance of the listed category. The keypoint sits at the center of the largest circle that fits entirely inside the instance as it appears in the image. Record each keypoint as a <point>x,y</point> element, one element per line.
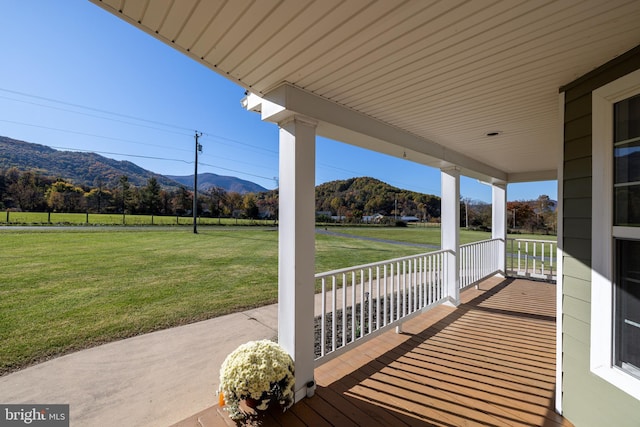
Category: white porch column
<point>499,223</point>
<point>296,246</point>
<point>450,230</point>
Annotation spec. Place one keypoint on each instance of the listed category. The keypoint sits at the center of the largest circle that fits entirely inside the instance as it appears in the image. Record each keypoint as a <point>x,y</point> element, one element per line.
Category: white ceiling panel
<point>445,72</point>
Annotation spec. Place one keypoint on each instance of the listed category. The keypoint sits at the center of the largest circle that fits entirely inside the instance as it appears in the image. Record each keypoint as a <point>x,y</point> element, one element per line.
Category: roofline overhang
<point>346,125</point>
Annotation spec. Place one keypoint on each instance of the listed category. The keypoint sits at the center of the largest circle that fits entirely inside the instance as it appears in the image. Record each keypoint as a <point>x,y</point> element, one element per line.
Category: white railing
<point>356,302</point>
<point>479,260</point>
<point>532,258</point>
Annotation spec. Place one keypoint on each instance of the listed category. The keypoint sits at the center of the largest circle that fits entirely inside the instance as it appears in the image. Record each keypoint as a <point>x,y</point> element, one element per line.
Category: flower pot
<point>251,403</point>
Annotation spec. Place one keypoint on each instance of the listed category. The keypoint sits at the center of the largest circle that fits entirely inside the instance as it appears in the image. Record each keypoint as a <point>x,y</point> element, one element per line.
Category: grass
<point>54,218</point>
<point>426,235</point>
<point>63,289</point>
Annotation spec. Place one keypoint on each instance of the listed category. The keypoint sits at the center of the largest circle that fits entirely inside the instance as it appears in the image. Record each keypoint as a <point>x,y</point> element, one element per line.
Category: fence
<point>357,301</point>
<point>479,260</point>
<point>534,259</point>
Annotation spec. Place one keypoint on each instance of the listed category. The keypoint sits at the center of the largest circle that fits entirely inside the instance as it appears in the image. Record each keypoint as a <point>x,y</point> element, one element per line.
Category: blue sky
<point>75,77</point>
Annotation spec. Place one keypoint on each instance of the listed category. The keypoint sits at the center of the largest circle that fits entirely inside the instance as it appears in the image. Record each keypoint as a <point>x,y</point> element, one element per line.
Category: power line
<point>121,154</point>
<point>88,134</point>
<point>161,158</point>
<point>237,171</point>
<point>218,137</point>
<point>205,134</point>
<point>93,115</point>
<point>94,109</point>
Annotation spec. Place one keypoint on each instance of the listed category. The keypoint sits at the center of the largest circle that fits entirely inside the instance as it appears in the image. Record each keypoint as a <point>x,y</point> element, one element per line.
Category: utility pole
<point>195,185</point>
<point>395,208</point>
<point>466,213</point>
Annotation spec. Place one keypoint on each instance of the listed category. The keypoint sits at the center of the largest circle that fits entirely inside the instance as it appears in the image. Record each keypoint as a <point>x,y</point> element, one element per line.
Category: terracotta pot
<point>251,403</point>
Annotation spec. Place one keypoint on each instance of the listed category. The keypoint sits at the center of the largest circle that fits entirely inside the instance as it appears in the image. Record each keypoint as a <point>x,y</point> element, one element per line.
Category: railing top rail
<point>480,241</point>
<point>375,264</point>
<point>533,240</point>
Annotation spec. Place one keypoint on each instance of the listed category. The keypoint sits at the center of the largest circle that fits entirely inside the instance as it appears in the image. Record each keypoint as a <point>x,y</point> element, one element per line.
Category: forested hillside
<point>34,177</point>
<point>83,169</point>
<point>206,181</point>
<point>357,197</point>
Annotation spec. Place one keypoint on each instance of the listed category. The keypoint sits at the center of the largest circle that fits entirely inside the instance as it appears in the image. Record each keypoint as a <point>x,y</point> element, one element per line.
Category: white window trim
<point>603,232</point>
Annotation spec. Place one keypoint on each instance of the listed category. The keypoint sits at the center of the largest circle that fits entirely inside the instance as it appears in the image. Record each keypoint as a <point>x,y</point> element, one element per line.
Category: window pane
<point>627,163</point>
<point>627,306</point>
<point>627,205</point>
<point>626,115</point>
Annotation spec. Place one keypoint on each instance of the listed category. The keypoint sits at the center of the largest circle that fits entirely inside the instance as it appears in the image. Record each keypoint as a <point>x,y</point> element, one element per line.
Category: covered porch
<point>468,88</point>
<point>490,361</point>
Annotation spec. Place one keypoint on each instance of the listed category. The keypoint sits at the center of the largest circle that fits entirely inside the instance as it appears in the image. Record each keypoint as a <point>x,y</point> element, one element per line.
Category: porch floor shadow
<point>488,362</point>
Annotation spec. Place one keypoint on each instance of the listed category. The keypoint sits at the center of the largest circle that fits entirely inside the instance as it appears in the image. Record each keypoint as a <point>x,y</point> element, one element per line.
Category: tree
<point>124,193</point>
<point>545,208</point>
<point>151,196</point>
<point>182,201</point>
<point>165,202</point>
<point>336,205</point>
<point>26,193</point>
<point>65,197</point>
<point>98,199</point>
<point>234,202</point>
<point>520,215</point>
<point>217,200</point>
<point>250,207</point>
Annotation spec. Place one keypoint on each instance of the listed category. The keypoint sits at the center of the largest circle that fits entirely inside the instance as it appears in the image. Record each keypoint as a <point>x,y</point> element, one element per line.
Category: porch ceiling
<point>443,72</point>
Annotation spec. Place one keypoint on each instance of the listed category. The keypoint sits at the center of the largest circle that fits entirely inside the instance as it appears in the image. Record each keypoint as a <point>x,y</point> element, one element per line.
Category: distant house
<point>373,219</point>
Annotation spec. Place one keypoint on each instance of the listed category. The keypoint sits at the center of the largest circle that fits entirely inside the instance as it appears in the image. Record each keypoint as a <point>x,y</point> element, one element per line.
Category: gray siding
<point>587,400</point>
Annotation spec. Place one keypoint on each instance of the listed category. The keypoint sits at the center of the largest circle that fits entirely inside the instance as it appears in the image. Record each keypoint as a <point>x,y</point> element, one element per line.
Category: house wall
<point>587,399</point>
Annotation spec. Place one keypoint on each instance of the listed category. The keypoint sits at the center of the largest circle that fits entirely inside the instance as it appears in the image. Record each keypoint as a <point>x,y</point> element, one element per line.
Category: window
<point>627,162</point>
<point>626,205</point>
<point>627,307</point>
<point>615,244</point>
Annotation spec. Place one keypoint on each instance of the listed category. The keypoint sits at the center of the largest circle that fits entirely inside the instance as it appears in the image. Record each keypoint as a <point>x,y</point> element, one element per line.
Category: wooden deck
<point>489,362</point>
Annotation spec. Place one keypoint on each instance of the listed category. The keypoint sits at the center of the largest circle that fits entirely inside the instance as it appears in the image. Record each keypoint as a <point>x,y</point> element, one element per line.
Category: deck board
<point>488,362</point>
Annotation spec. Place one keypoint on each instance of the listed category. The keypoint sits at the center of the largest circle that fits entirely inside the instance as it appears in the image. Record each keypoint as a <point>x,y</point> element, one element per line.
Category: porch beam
<point>296,246</point>
<point>450,230</point>
<point>352,127</point>
<point>499,223</point>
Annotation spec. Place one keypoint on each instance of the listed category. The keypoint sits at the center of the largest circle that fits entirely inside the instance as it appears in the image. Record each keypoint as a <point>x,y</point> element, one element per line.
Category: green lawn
<point>426,235</point>
<point>54,218</point>
<point>63,289</point>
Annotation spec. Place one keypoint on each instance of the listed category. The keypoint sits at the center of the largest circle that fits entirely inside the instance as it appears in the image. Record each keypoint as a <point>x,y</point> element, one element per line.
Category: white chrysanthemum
<point>260,370</point>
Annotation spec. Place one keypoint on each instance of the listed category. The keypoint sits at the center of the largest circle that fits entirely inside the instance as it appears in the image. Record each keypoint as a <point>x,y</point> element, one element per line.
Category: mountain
<point>79,168</point>
<point>229,183</point>
<point>85,168</point>
<point>370,196</point>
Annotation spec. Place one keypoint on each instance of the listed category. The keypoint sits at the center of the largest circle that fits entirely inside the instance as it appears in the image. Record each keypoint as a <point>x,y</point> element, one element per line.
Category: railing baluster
<point>344,309</point>
<point>362,303</point>
<point>323,328</point>
<point>406,293</point>
<point>334,321</point>
<point>392,294</point>
<point>353,306</point>
<point>378,300</point>
<point>369,299</point>
<point>384,315</point>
